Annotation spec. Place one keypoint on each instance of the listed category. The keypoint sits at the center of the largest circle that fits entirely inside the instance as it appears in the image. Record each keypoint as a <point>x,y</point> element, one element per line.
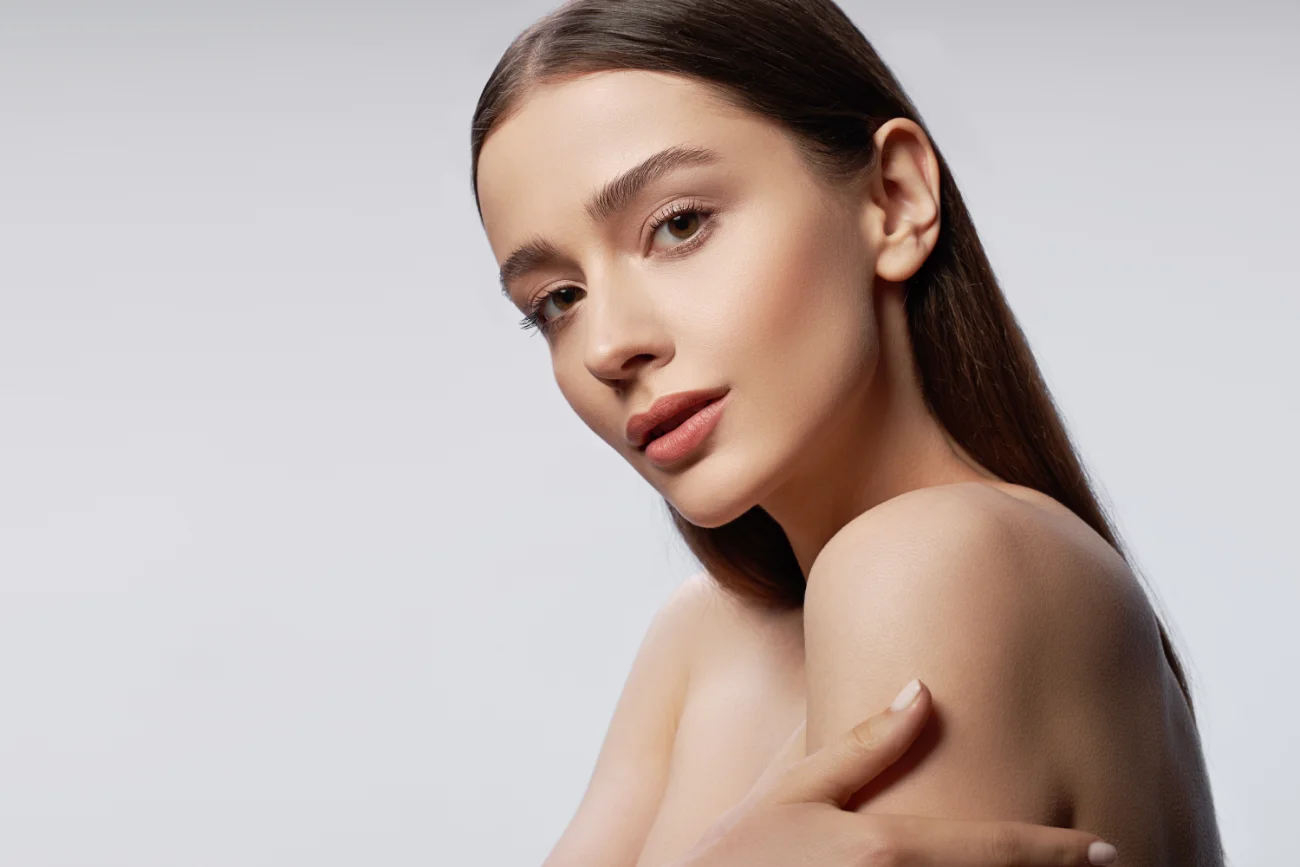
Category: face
<point>758,282</point>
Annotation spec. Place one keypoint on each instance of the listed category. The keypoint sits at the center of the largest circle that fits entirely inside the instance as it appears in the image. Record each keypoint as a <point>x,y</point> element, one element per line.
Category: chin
<point>712,493</point>
<point>710,518</point>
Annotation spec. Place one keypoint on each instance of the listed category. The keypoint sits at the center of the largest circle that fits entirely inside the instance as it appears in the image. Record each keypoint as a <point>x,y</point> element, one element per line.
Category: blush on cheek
<point>804,289</point>
<point>798,337</point>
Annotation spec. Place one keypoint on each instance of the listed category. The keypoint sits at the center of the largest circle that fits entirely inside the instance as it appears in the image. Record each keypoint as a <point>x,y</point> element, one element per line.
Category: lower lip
<point>687,436</point>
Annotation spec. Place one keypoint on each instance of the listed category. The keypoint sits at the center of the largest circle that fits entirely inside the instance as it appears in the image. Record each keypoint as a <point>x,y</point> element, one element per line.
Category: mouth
<point>682,435</point>
<point>668,413</point>
<point>676,421</point>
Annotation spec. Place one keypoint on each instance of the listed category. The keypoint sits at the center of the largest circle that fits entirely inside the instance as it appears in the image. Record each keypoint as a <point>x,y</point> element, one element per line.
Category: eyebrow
<point>609,200</point>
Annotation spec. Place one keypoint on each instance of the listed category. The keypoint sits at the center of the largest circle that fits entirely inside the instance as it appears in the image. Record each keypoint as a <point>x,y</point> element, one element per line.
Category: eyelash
<point>548,327</point>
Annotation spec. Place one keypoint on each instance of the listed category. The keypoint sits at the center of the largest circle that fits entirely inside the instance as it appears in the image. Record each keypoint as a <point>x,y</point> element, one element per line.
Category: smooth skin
<point>799,816</point>
<point>1055,705</point>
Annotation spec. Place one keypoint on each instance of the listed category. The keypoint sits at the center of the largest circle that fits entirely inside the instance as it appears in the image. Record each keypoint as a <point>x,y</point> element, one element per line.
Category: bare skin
<point>747,691</point>
<point>1055,705</point>
<point>796,813</point>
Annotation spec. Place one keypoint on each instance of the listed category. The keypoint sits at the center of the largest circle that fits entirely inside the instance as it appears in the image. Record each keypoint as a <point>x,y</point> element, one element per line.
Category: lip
<point>683,440</point>
<point>665,408</point>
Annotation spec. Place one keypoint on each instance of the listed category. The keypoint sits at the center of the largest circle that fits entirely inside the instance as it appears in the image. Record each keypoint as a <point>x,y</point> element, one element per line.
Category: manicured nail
<point>905,697</point>
<point>1100,853</point>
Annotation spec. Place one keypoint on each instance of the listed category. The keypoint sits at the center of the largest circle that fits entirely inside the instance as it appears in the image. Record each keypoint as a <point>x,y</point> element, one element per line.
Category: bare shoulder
<point>687,604</point>
<point>702,623</point>
<point>1019,543</point>
<point>697,610</point>
<point>719,626</point>
<point>672,641</point>
<point>631,773</point>
<point>994,593</point>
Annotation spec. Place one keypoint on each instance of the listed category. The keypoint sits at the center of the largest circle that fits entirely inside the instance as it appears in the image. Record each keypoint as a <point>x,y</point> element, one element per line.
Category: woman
<point>758,283</point>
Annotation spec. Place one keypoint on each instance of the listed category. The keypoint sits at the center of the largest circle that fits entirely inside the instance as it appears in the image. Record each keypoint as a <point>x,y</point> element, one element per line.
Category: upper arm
<point>937,585</point>
<point>623,795</point>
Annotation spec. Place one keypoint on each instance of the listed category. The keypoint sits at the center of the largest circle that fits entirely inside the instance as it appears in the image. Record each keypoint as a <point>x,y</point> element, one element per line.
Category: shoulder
<point>677,626</point>
<point>969,551</point>
<point>716,628</point>
<point>632,768</point>
<point>655,689</point>
<point>946,554</point>
<point>932,521</point>
<point>697,607</point>
<point>1005,610</point>
<point>689,600</point>
<point>930,580</point>
<point>697,619</point>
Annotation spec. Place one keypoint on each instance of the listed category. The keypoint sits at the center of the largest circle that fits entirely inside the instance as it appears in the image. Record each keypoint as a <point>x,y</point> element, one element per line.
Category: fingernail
<point>905,697</point>
<point>1100,853</point>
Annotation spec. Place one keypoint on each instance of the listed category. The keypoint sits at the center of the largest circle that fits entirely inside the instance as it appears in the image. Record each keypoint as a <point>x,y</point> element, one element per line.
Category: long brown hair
<point>804,65</point>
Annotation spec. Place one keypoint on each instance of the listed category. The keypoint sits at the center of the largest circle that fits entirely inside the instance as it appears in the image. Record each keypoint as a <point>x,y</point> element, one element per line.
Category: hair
<point>804,65</point>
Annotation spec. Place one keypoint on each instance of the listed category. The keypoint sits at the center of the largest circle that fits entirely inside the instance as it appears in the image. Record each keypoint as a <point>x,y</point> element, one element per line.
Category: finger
<point>840,768</point>
<point>927,842</point>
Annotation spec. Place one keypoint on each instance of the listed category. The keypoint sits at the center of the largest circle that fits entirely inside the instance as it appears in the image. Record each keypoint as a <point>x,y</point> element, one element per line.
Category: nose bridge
<point>620,323</point>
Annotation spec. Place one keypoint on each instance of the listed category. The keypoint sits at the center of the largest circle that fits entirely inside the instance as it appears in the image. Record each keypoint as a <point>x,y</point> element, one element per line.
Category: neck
<point>882,442</point>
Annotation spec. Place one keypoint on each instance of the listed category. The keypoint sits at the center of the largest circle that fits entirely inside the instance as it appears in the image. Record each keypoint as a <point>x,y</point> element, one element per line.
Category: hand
<point>796,816</point>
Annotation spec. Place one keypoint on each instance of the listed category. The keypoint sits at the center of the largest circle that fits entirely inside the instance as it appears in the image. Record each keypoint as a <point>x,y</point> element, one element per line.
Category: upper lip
<point>640,425</point>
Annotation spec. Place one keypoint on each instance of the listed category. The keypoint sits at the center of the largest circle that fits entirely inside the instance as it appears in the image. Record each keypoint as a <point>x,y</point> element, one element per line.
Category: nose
<point>622,330</point>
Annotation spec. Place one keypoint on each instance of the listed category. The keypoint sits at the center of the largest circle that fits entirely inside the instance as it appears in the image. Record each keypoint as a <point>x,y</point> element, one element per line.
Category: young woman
<point>759,284</point>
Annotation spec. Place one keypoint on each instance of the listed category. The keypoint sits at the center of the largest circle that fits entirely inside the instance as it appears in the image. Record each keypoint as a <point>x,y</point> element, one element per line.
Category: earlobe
<point>904,206</point>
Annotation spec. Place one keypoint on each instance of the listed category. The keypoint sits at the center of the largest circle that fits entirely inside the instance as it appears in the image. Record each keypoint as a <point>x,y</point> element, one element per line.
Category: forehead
<point>567,138</point>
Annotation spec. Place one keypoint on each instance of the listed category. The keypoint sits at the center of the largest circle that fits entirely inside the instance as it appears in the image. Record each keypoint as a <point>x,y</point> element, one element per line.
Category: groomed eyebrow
<point>609,200</point>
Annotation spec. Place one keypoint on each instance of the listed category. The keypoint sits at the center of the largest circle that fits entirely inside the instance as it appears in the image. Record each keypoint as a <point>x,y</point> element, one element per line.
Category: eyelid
<point>656,221</point>
<point>661,215</point>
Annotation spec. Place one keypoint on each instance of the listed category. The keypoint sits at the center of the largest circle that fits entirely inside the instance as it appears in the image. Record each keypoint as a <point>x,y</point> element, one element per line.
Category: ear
<point>901,216</point>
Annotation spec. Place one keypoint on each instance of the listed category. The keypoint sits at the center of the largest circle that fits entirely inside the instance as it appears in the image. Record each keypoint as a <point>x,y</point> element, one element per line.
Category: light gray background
<point>305,561</point>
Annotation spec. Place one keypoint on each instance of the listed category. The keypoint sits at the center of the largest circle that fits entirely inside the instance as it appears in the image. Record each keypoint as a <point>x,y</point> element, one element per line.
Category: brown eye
<point>566,295</point>
<point>563,295</point>
<point>686,224</point>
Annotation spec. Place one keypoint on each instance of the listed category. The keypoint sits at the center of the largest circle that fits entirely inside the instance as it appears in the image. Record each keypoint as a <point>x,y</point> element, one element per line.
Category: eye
<point>537,316</point>
<point>686,221</point>
<point>682,225</point>
<point>562,298</point>
<point>681,221</point>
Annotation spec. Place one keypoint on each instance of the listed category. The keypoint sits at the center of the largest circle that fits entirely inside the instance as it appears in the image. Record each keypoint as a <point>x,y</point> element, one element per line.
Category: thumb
<point>840,768</point>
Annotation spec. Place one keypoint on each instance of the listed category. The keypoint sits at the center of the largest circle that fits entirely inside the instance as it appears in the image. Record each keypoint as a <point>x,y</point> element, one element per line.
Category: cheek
<point>591,401</point>
<point>576,392</point>
<point>797,307</point>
